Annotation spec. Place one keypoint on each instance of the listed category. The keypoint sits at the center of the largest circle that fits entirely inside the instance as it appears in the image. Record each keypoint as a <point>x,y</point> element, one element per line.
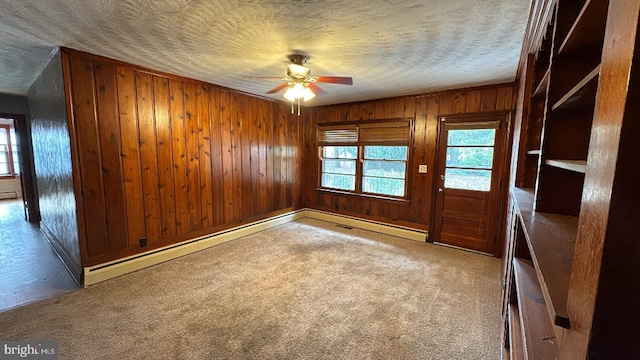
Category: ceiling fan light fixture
<point>296,91</point>
<point>308,94</point>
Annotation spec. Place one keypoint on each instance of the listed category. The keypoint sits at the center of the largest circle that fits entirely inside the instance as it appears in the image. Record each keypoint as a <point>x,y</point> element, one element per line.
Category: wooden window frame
<point>344,139</point>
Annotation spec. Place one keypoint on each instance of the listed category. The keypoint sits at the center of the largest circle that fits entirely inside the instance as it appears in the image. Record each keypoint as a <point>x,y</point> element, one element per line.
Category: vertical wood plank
<point>254,157</point>
<point>284,171</point>
<point>473,101</point>
<point>193,155</point>
<point>431,136</point>
<point>109,130</point>
<point>179,153</point>
<point>148,156</point>
<point>504,98</point>
<point>203,98</point>
<point>418,153</point>
<point>245,141</point>
<point>263,112</point>
<point>165,157</point>
<point>488,99</point>
<point>295,156</point>
<point>83,82</point>
<point>131,169</point>
<point>277,155</point>
<point>236,131</point>
<point>227,154</point>
<point>216,158</point>
<point>459,102</point>
<point>270,157</point>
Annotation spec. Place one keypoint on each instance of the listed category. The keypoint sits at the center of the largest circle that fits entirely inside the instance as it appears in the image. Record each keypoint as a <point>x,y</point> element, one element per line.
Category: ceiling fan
<point>299,82</point>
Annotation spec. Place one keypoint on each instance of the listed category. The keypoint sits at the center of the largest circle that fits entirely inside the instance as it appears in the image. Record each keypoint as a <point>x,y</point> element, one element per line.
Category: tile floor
<point>29,268</point>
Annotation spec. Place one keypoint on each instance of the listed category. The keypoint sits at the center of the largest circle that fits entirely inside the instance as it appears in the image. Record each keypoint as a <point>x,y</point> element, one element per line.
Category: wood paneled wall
<point>425,110</point>
<point>168,159</point>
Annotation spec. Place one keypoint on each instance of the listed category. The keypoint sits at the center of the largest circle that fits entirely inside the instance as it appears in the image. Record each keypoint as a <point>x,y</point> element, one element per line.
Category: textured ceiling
<point>389,47</point>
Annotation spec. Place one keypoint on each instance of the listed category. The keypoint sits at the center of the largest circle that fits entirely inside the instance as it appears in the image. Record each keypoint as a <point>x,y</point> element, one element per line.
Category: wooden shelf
<point>516,351</point>
<point>551,240</point>
<point>533,152</point>
<point>541,89</point>
<point>539,339</point>
<point>588,29</point>
<point>571,165</point>
<point>581,95</point>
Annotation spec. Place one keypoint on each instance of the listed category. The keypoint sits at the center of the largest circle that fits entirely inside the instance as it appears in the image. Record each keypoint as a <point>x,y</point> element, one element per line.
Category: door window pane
<point>384,186</point>
<point>473,137</point>
<point>389,169</point>
<point>470,157</point>
<point>342,182</point>
<point>479,180</point>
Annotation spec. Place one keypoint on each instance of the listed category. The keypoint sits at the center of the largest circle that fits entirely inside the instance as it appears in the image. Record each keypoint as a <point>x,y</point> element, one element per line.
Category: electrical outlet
<point>143,241</point>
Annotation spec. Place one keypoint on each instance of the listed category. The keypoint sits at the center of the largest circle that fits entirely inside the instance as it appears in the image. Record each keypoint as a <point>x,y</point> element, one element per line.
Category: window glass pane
<point>393,187</point>
<point>468,179</point>
<point>471,157</point>
<point>340,152</point>
<point>389,169</point>
<point>342,182</point>
<point>3,136</point>
<point>385,152</point>
<point>4,165</point>
<point>339,166</point>
<point>485,137</point>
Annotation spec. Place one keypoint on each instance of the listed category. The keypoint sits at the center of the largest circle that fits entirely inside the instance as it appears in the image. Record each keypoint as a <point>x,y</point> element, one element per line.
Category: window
<point>365,157</point>
<point>7,152</point>
<point>469,159</point>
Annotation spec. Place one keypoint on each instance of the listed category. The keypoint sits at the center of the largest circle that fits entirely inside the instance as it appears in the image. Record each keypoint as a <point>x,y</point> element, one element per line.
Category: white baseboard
<point>394,230</point>
<point>112,269</point>
<point>109,270</point>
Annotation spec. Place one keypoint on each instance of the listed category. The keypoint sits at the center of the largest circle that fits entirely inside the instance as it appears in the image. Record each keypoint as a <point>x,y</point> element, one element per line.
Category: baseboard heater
<point>8,195</point>
<point>109,270</point>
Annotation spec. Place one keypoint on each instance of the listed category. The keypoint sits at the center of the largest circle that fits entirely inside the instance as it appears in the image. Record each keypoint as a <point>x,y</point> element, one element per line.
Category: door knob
<point>440,191</point>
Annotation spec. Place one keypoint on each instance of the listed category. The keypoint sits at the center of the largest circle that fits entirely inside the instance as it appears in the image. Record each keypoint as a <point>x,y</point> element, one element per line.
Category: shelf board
<point>571,165</point>
<point>539,339</point>
<point>581,95</point>
<point>542,85</point>
<point>516,352</point>
<point>533,152</point>
<point>588,28</point>
<point>551,240</point>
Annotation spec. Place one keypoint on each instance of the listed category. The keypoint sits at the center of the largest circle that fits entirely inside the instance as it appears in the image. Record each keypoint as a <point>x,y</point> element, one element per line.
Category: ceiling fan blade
<point>278,88</point>
<point>316,89</point>
<point>344,80</point>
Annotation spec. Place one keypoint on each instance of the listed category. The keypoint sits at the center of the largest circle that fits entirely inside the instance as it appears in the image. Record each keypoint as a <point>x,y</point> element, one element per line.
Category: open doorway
<point>31,270</point>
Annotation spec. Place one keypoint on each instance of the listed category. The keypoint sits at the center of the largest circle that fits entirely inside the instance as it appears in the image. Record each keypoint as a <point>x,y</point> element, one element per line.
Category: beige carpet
<point>303,290</point>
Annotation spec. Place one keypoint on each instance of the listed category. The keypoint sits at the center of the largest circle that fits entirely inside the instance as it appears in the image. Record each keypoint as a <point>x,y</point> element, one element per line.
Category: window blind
<point>337,134</point>
<point>395,132</point>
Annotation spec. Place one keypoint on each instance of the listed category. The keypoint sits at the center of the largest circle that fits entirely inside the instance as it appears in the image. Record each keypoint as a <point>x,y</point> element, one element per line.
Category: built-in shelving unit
<point>539,341</point>
<point>561,92</point>
<point>572,165</point>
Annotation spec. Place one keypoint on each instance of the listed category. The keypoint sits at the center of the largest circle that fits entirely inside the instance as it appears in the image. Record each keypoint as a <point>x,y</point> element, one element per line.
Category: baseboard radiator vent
<point>8,195</point>
<point>109,270</point>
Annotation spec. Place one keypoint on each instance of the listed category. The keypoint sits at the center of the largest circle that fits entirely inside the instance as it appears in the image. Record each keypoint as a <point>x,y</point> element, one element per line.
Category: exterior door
<point>468,178</point>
